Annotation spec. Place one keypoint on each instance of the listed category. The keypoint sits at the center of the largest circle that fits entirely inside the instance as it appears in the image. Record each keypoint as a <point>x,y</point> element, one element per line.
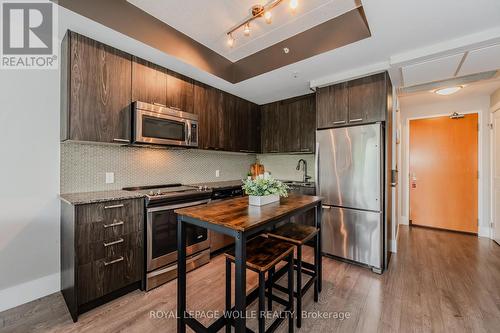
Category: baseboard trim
<point>393,246</point>
<point>484,232</point>
<point>29,291</point>
<point>404,220</point>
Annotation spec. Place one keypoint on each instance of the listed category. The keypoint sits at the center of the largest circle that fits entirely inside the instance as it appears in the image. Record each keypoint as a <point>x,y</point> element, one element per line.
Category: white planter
<point>254,200</point>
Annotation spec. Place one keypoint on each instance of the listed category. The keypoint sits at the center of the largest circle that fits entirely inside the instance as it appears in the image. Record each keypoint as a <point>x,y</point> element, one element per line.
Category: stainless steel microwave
<point>160,125</point>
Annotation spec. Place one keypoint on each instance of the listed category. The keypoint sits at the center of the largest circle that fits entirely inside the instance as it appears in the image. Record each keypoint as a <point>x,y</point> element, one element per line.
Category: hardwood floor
<point>438,281</point>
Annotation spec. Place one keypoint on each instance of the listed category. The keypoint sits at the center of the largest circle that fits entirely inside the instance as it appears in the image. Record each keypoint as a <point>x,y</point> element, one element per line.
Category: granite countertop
<point>221,185</point>
<point>93,197</point>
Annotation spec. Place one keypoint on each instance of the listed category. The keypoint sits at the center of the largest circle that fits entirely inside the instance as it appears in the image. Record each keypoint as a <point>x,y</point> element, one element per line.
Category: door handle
<point>116,224</point>
<point>107,263</point>
<point>114,206</point>
<point>113,243</point>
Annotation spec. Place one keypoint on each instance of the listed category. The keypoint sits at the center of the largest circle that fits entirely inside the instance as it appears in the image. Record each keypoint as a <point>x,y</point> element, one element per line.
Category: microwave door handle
<point>188,125</point>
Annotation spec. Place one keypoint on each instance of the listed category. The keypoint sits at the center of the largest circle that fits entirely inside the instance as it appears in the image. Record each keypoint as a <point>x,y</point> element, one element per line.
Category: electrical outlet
<point>217,173</point>
<point>110,177</point>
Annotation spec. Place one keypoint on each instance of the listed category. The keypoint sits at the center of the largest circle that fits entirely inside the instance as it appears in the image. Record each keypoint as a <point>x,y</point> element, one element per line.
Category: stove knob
<point>151,193</point>
<point>206,188</point>
<point>158,193</point>
<point>200,188</point>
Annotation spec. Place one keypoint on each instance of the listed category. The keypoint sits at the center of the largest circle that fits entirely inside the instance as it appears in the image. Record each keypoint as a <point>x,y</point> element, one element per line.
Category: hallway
<point>438,281</point>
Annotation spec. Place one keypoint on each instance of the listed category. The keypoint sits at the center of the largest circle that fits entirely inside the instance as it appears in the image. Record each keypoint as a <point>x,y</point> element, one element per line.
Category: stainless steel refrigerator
<point>350,178</point>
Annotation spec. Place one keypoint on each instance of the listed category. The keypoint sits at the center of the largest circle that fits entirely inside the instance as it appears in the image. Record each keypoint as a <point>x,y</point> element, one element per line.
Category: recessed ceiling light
<point>448,91</point>
<point>286,50</point>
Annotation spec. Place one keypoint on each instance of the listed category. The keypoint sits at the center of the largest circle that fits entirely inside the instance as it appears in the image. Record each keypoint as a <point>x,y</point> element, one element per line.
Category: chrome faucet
<point>306,177</point>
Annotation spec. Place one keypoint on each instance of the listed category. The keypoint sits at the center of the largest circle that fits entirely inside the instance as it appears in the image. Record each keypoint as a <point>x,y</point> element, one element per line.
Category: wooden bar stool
<point>298,235</point>
<point>263,254</point>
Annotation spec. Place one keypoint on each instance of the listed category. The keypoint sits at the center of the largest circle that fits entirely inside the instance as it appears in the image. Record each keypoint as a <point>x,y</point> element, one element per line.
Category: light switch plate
<point>217,173</point>
<point>110,177</point>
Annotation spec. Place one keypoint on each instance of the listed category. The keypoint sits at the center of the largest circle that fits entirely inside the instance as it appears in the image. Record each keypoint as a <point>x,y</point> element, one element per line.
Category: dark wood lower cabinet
<point>102,251</point>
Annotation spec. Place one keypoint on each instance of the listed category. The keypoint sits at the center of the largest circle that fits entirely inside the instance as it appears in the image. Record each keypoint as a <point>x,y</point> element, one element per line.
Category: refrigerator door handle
<point>316,168</point>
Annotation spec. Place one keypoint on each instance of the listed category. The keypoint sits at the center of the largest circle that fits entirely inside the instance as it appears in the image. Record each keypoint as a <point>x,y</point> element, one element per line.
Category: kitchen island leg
<point>240,283</point>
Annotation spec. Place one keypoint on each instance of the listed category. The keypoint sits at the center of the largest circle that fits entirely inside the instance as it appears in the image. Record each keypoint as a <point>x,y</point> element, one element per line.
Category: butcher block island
<point>235,218</point>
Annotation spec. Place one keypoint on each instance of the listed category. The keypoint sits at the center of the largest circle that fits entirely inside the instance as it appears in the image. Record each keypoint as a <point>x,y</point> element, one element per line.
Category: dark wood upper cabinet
<point>96,91</point>
<point>208,105</point>
<point>149,82</point>
<point>288,126</point>
<point>180,92</point>
<point>99,84</point>
<point>359,101</point>
<point>332,105</point>
<point>269,128</point>
<point>307,119</point>
<point>368,99</point>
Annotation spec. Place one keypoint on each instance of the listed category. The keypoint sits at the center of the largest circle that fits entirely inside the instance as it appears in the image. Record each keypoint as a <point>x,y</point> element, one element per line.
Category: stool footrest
<point>279,274</point>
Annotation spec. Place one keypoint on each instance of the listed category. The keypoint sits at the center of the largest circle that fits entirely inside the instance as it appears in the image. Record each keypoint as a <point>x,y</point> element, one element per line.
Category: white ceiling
<point>401,31</point>
<point>208,22</point>
<point>432,70</point>
<point>477,89</point>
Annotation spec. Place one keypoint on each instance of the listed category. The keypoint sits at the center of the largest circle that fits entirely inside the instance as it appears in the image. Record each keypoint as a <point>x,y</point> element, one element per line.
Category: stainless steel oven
<point>161,239</point>
<point>159,125</point>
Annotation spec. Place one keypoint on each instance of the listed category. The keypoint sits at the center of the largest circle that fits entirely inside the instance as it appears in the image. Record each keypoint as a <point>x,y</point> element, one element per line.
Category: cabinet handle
<point>355,120</point>
<point>116,224</point>
<point>159,104</point>
<point>339,122</point>
<point>273,151</point>
<point>114,206</point>
<point>174,107</point>
<point>247,151</point>
<point>107,263</point>
<point>326,207</point>
<point>305,149</point>
<point>121,140</point>
<point>113,243</point>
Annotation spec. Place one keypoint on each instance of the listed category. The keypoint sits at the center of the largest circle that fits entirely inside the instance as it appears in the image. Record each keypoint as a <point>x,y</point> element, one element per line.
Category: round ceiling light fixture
<point>448,90</point>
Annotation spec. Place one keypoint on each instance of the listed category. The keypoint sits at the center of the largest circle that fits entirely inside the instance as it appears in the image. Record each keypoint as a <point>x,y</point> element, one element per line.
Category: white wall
<point>29,185</point>
<point>416,107</point>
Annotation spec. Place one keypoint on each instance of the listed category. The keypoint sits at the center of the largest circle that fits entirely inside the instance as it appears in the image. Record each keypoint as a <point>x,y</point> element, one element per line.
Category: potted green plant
<point>264,190</point>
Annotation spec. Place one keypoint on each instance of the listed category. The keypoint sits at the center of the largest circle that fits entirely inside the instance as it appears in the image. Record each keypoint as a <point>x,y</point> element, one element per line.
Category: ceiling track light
<point>230,40</point>
<point>259,11</point>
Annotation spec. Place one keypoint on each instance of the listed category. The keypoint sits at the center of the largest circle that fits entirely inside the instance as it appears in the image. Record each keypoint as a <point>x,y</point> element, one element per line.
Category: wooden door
<point>149,82</point>
<point>271,142</point>
<point>368,99</point>
<point>180,91</point>
<point>99,91</point>
<point>496,176</point>
<point>289,125</point>
<point>307,125</point>
<point>332,106</point>
<point>444,173</point>
<point>207,102</point>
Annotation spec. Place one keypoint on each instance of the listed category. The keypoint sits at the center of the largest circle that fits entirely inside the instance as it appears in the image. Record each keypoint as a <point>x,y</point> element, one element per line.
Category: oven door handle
<point>188,204</point>
<point>172,267</point>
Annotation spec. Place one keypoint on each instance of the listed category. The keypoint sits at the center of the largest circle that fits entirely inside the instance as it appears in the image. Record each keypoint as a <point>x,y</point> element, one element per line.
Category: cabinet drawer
<point>103,276</point>
<point>108,220</point>
<point>109,248</point>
